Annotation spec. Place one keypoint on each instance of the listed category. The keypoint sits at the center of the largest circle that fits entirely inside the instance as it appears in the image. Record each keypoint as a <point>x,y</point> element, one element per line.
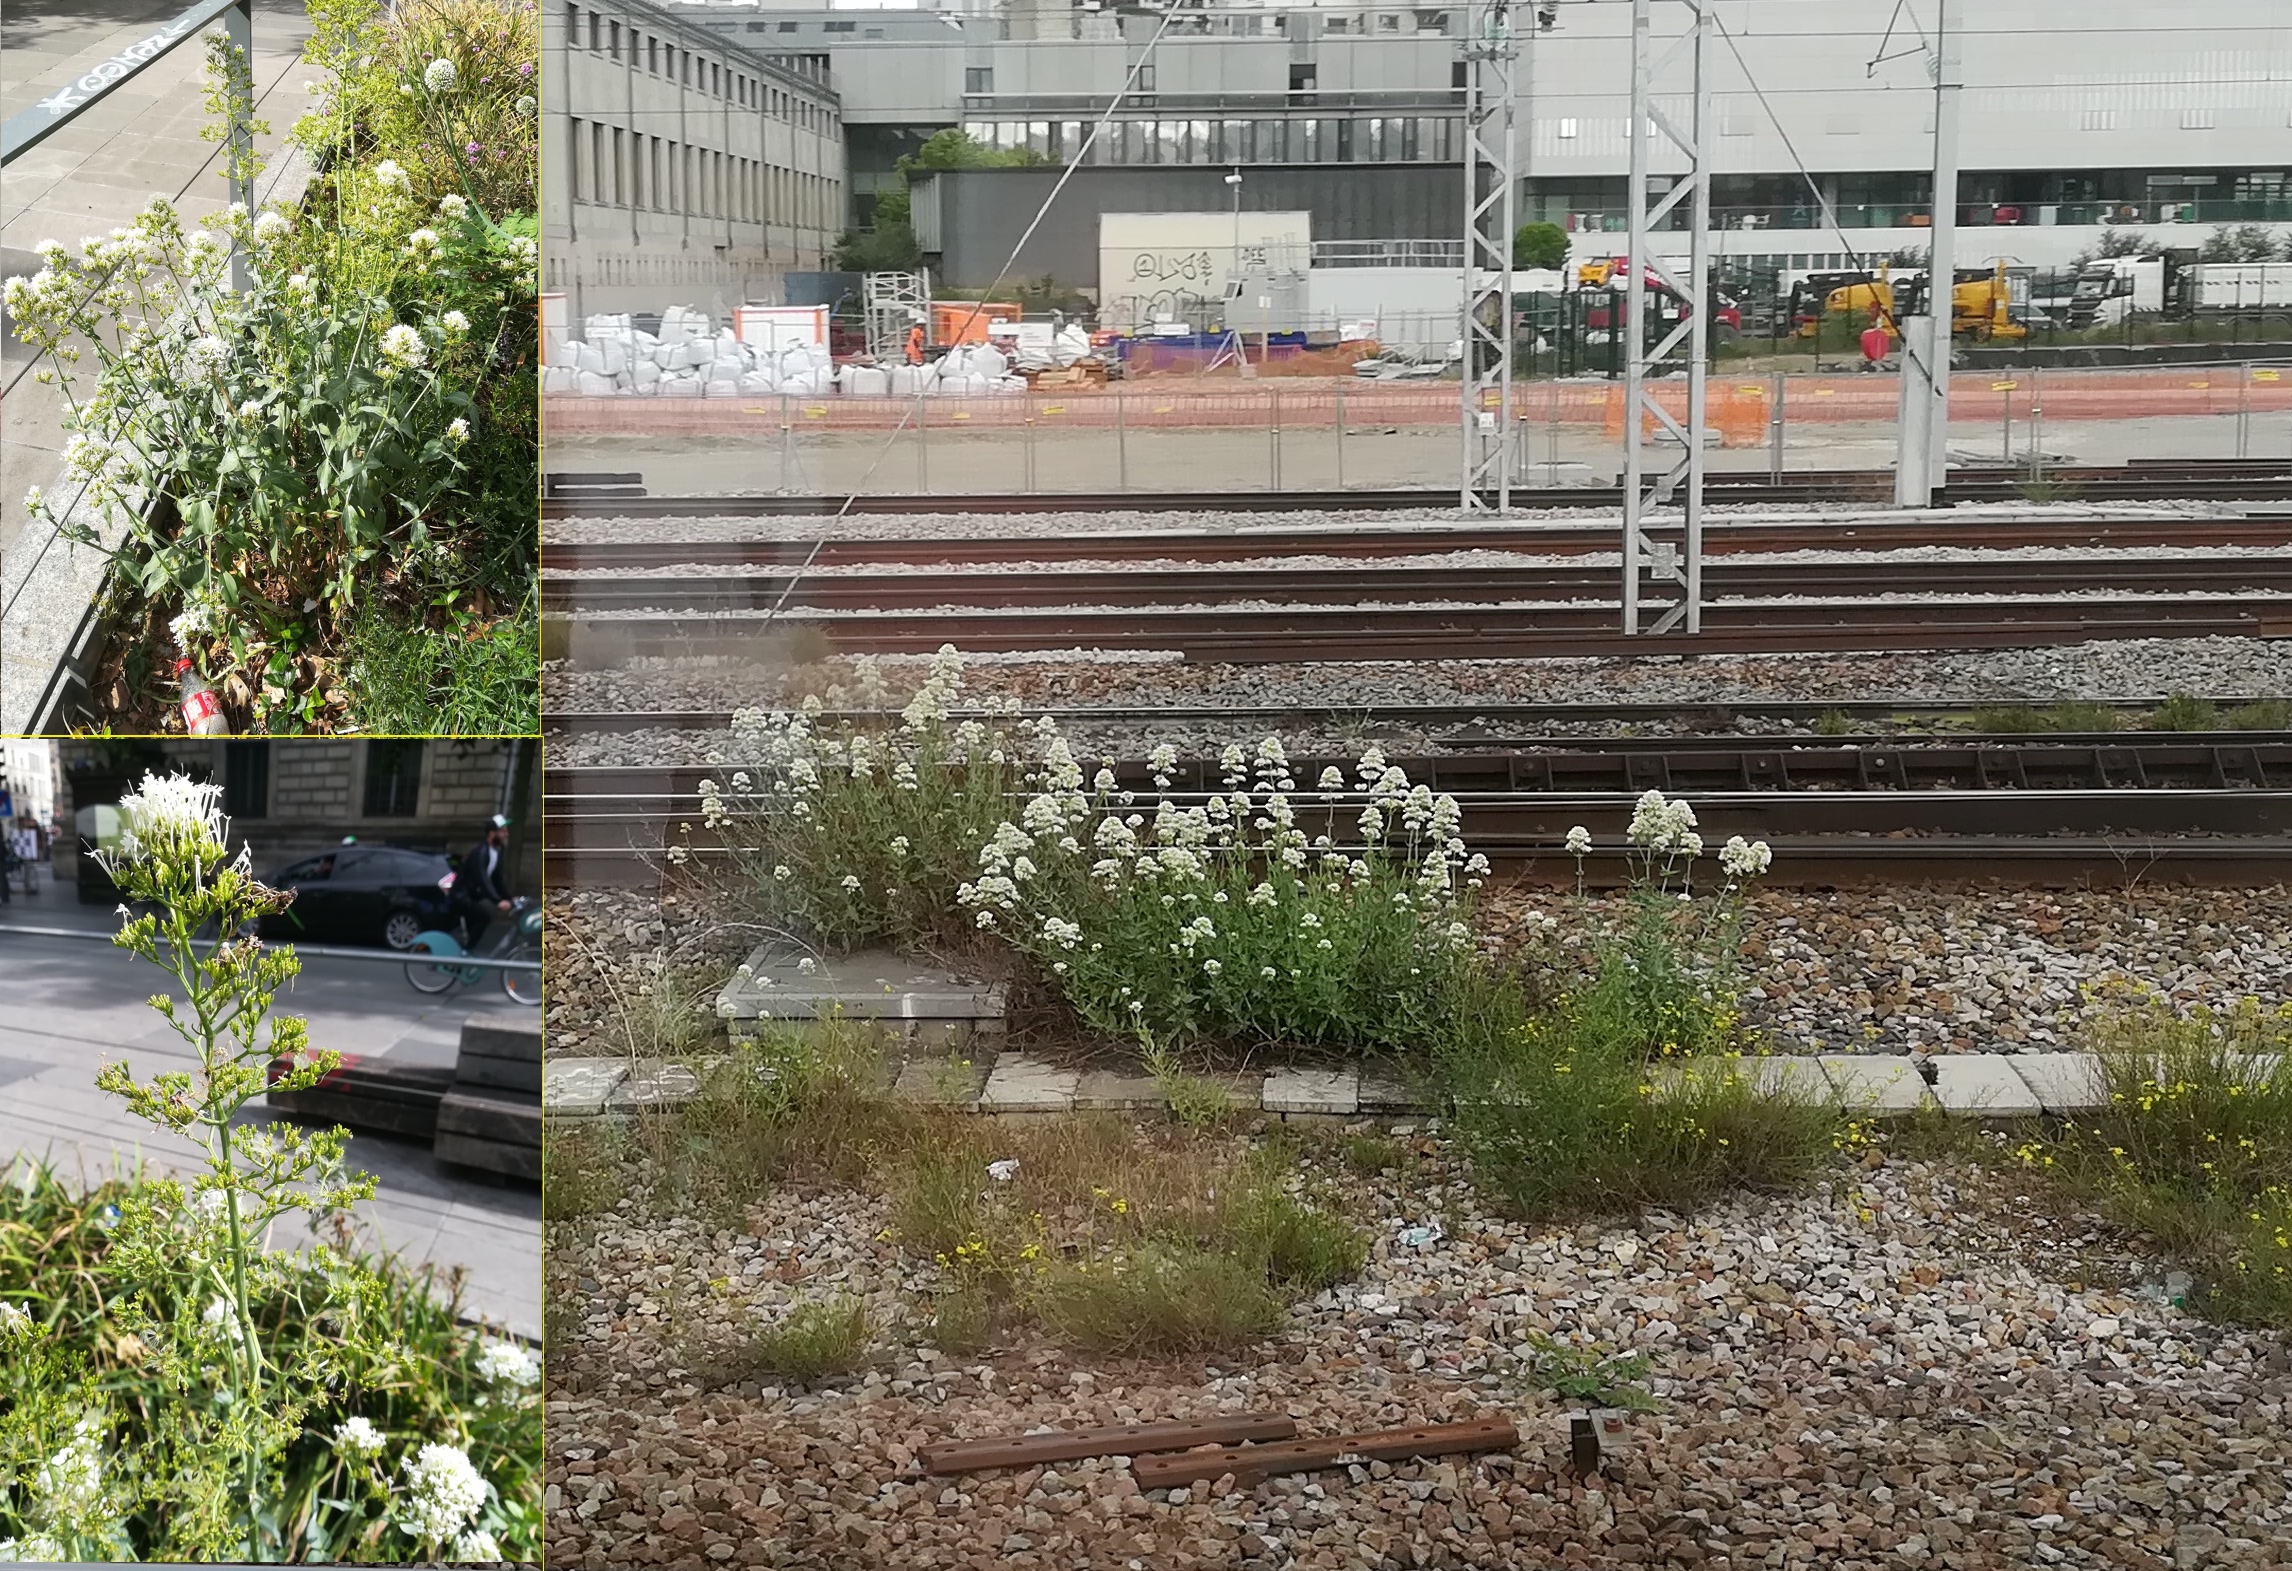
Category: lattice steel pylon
<point>1491,175</point>
<point>1647,560</point>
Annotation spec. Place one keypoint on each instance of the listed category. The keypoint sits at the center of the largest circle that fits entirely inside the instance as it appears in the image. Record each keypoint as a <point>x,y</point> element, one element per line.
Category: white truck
<point>2111,288</point>
<point>2240,286</point>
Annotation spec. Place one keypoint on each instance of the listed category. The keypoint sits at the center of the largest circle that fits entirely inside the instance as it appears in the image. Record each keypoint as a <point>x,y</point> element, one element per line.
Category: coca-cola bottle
<point>202,710</point>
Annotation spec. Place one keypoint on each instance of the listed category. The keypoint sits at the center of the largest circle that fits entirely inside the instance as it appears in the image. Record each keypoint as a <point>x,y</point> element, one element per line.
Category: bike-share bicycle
<point>519,939</point>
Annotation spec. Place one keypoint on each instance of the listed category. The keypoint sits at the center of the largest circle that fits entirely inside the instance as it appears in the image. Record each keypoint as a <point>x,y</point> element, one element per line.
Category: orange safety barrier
<point>1738,408</point>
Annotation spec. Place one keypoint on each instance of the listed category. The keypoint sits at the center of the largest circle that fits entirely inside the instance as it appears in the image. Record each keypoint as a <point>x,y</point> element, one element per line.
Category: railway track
<point>1461,632</point>
<point>2192,480</point>
<point>1704,716</point>
<point>1162,586</point>
<point>2208,811</point>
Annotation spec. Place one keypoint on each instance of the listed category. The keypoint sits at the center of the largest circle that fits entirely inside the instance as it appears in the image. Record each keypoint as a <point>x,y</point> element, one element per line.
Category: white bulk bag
<point>756,382</point>
<point>595,385</point>
<point>644,374</point>
<point>868,381</point>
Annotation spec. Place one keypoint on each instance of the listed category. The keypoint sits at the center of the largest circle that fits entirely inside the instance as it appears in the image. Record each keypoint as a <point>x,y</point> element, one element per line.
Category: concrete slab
<point>653,1083</point>
<point>1800,1079</point>
<point>940,1082</point>
<point>1982,1085</point>
<point>1876,1084</point>
<point>2062,1083</point>
<point>1329,1092</point>
<point>1111,1091</point>
<point>1027,1085</point>
<point>1376,1093</point>
<point>580,1087</point>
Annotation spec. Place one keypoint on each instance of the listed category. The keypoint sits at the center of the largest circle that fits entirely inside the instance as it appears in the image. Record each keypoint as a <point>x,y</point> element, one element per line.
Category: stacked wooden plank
<point>370,1093</point>
<point>1248,1447</point>
<point>491,1118</point>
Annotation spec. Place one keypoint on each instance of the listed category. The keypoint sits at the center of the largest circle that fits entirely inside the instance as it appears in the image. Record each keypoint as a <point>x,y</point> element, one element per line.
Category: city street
<point>71,1002</point>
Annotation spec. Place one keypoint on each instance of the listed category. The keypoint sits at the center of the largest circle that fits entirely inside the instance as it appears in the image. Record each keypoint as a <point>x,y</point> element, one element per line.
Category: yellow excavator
<point>1979,307</point>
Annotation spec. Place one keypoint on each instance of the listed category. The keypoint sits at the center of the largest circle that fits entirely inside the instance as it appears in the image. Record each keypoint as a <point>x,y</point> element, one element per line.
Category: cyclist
<point>481,884</point>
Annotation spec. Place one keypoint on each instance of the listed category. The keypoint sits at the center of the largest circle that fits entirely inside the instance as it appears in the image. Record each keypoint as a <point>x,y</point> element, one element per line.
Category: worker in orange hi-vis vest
<point>915,344</point>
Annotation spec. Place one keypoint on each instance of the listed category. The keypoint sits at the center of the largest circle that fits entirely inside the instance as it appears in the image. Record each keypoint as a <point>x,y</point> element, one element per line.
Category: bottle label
<point>199,708</point>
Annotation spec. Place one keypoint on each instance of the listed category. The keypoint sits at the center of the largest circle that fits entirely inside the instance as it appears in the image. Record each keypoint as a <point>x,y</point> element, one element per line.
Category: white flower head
<point>455,323</point>
<point>443,1492</point>
<point>453,208</point>
<point>1741,859</point>
<point>208,354</point>
<point>526,105</point>
<point>357,1437</point>
<point>477,1544</point>
<point>390,176</point>
<point>403,346</point>
<point>505,1363</point>
<point>272,226</point>
<point>458,432</point>
<point>13,1317</point>
<point>69,1484</point>
<point>170,815</point>
<point>440,76</point>
<point>1579,841</point>
<point>303,287</point>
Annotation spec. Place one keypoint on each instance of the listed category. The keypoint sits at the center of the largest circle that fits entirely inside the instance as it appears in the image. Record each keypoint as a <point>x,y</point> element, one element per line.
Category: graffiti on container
<point>1164,267</point>
<point>1162,305</point>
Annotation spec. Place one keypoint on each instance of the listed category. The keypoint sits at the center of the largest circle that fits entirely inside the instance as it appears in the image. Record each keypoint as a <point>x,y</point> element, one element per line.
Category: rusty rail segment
<point>1069,1445</point>
<point>1251,1463</point>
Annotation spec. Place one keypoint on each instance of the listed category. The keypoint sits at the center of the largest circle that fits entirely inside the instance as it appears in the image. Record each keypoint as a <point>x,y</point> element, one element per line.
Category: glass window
<point>1197,143</point>
<point>393,778</point>
<point>1170,135</point>
<point>979,79</point>
<point>1070,135</point>
<point>1039,137</point>
<point>247,779</point>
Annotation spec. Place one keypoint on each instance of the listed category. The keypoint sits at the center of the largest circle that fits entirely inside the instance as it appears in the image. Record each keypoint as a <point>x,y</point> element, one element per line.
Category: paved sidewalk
<point>67,1004</point>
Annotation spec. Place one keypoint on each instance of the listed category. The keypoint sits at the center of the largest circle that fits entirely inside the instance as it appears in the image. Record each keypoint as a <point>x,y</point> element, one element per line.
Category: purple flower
<point>475,150</point>
<point>525,69</point>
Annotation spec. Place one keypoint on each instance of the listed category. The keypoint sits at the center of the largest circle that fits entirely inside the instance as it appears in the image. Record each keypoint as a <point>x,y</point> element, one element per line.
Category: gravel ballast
<point>1904,1368</point>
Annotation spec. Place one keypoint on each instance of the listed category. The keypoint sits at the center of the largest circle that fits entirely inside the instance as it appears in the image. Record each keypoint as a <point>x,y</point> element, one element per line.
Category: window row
<point>1405,139</point>
<point>619,168</point>
<point>665,58</point>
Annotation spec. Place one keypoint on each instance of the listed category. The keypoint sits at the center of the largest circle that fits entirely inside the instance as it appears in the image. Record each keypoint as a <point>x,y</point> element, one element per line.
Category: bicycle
<point>520,939</point>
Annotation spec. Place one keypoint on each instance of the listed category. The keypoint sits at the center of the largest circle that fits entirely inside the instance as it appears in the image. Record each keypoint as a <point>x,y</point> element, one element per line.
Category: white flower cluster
<point>440,76</point>
<point>402,346</point>
<point>36,1549</point>
<point>1664,827</point>
<point>505,1363</point>
<point>941,686</point>
<point>443,1492</point>
<point>171,817</point>
<point>357,1438</point>
<point>68,1488</point>
<point>1740,859</point>
<point>272,227</point>
<point>391,176</point>
<point>453,209</point>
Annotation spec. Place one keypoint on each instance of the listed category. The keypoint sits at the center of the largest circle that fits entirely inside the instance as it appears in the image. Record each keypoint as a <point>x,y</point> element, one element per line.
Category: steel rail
<point>1249,542</point>
<point>1156,586</point>
<point>1705,712</point>
<point>1472,632</point>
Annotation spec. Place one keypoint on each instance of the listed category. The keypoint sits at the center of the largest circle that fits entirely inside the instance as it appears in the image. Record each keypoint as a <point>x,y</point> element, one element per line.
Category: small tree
<point>2117,242</point>
<point>2244,243</point>
<point>1540,245</point>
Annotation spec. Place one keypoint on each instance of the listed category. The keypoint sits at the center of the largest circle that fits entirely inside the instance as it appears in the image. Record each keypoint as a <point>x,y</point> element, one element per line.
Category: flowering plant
<point>236,1350</point>
<point>1172,920</point>
<point>850,836</point>
<point>351,419</point>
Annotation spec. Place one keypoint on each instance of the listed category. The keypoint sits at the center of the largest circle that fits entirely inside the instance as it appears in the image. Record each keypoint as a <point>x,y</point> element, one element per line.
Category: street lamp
<point>1234,184</point>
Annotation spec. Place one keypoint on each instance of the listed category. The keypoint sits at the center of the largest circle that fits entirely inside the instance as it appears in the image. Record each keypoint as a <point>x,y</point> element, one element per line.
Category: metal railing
<point>318,951</point>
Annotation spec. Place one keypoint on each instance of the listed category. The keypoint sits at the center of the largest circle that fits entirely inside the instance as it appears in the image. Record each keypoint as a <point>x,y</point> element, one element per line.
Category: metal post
<point>1340,436</point>
<point>239,31</point>
<point>787,446</point>
<point>2005,410</point>
<point>1775,430</point>
<point>922,447</point>
<point>1679,565</point>
<point>1122,441</point>
<point>1028,404</point>
<point>1941,267</point>
<point>2243,408</point>
<point>2036,423</point>
<point>1491,175</point>
<point>1273,421</point>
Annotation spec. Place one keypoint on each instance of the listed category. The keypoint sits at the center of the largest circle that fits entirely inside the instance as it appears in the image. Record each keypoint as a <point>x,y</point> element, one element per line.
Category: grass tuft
<point>1158,1300</point>
<point>811,1343</point>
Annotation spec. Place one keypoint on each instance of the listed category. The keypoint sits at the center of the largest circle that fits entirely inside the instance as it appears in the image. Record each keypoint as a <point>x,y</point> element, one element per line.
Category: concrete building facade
<point>2076,120</point>
<point>288,799</point>
<point>680,166</point>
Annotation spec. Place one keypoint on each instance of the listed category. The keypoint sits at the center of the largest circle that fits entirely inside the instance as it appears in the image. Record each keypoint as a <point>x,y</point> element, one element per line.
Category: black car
<point>364,894</point>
